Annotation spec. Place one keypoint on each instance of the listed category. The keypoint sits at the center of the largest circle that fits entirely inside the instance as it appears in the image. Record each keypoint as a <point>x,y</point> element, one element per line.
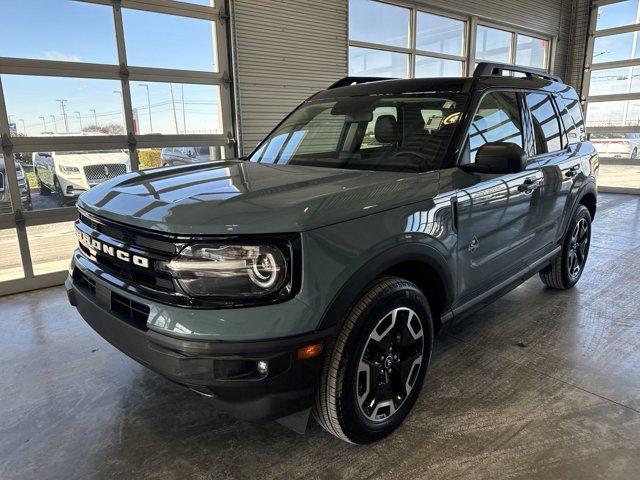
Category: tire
<point>343,405</point>
<point>634,154</point>
<point>44,190</point>
<point>563,273</point>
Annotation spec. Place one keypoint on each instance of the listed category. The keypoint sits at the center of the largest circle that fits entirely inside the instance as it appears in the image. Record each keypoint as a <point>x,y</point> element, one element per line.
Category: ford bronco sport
<point>312,276</point>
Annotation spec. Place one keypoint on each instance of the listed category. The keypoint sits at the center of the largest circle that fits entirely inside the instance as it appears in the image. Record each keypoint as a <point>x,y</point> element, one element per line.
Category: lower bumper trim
<point>287,389</point>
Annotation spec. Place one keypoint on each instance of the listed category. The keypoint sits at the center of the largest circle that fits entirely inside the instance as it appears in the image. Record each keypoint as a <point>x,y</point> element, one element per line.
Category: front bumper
<point>226,372</point>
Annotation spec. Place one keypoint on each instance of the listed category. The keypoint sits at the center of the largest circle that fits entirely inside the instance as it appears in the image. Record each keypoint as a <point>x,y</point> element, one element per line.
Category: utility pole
<point>184,119</point>
<point>124,117</point>
<point>63,103</point>
<point>79,119</point>
<point>173,105</point>
<point>95,116</point>
<point>24,127</point>
<point>44,124</point>
<point>55,124</point>
<point>148,106</point>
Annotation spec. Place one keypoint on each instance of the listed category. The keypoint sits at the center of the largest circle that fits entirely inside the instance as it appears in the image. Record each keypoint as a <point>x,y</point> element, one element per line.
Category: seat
<point>386,130</point>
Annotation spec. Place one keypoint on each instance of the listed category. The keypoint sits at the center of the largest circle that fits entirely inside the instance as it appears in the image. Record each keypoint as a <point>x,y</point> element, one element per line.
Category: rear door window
<point>545,122</point>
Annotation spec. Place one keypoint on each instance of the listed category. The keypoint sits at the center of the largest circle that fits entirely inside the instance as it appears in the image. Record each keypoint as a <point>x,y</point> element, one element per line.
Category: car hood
<point>84,159</point>
<point>238,197</point>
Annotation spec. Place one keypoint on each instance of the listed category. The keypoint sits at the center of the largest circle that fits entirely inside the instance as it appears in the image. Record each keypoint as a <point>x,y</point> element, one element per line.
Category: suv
<point>68,174</point>
<point>23,187</point>
<point>313,275</point>
<point>187,155</point>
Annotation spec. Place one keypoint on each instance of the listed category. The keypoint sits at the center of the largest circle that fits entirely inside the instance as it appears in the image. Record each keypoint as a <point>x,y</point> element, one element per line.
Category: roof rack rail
<point>346,81</point>
<point>488,69</point>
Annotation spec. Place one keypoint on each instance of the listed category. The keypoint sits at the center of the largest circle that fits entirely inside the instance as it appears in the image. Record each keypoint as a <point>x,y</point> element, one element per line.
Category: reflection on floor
<point>541,384</point>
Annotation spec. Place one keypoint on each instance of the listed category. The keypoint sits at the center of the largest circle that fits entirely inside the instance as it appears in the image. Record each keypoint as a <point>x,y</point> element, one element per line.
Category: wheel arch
<point>418,263</point>
<point>589,200</point>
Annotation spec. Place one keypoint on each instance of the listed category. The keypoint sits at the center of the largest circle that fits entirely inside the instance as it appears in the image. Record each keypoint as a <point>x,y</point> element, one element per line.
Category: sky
<point>67,30</point>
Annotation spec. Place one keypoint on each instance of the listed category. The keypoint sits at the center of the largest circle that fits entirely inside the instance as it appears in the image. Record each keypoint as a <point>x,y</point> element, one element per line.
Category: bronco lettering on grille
<point>96,246</point>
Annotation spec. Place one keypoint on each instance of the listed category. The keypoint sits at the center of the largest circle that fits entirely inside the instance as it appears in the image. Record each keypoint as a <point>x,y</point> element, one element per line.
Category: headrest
<point>386,129</point>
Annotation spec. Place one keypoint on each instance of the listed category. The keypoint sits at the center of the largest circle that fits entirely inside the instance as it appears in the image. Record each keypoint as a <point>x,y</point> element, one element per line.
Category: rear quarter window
<point>572,117</point>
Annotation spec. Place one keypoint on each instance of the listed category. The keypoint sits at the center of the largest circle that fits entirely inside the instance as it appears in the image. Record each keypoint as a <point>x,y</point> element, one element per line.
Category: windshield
<point>401,133</point>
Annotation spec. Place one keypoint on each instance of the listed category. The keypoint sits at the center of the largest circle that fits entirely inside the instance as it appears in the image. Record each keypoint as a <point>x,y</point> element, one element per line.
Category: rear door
<point>559,161</point>
<point>495,234</point>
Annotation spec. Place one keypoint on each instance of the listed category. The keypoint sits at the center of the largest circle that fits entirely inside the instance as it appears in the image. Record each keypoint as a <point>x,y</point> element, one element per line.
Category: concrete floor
<point>541,384</point>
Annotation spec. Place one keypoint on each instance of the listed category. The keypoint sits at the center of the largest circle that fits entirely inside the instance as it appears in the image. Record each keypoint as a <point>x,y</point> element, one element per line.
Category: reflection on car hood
<point>84,159</point>
<point>236,197</point>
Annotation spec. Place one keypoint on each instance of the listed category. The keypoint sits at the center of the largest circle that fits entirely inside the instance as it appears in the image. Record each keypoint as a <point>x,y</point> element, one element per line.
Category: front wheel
<point>634,154</point>
<point>567,268</point>
<point>372,377</point>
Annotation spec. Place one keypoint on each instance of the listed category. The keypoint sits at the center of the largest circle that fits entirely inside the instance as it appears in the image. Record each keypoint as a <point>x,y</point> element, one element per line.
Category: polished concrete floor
<point>541,384</point>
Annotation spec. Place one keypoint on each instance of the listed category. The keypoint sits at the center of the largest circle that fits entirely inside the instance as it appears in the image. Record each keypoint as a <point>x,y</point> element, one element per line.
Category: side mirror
<point>498,157</point>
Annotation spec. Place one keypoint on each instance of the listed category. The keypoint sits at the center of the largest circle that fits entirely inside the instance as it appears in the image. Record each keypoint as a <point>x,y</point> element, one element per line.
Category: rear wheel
<point>567,268</point>
<point>373,375</point>
<point>634,154</point>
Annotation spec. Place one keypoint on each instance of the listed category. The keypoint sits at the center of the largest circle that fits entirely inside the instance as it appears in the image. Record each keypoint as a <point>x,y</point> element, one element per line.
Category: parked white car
<point>68,174</point>
<point>617,145</point>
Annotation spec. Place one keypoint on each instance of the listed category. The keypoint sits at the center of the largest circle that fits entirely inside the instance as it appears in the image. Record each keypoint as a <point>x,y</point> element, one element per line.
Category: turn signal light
<point>310,351</point>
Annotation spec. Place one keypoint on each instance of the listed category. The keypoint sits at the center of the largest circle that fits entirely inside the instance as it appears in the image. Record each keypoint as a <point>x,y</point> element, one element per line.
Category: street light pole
<point>63,103</point>
<point>148,106</point>
<point>79,119</point>
<point>173,104</point>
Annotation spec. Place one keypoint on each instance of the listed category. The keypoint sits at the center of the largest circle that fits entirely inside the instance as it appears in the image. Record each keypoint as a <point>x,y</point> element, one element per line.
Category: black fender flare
<point>382,261</point>
<point>588,187</point>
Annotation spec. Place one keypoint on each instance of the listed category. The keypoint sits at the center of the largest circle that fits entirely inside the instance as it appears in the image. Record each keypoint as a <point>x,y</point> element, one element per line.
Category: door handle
<point>572,172</point>
<point>529,185</point>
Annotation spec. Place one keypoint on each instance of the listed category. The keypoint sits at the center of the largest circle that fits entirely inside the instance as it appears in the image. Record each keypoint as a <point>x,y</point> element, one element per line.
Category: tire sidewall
<point>581,212</point>
<point>358,428</point>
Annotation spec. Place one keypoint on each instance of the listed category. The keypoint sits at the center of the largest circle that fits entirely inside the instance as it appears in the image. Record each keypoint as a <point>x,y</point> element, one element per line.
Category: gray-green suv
<point>313,275</point>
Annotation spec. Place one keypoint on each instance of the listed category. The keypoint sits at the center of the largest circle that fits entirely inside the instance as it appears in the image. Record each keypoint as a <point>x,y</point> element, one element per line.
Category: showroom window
<point>113,88</point>
<point>388,40</point>
<point>611,85</point>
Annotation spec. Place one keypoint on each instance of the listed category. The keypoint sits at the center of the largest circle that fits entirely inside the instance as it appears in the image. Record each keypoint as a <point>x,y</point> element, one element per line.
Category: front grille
<point>100,173</point>
<point>152,248</point>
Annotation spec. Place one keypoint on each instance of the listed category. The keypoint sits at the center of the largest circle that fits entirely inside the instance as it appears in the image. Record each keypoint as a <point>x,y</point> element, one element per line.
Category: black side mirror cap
<point>498,157</point>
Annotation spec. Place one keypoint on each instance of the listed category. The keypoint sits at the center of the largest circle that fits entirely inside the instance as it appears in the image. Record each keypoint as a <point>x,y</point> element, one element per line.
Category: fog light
<point>263,367</point>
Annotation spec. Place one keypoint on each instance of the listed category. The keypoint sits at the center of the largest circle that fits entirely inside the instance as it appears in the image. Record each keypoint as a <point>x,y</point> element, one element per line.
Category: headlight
<point>68,169</point>
<point>230,271</point>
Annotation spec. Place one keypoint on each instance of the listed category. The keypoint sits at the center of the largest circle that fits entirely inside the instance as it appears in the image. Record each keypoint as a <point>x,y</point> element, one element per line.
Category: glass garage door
<point>106,88</point>
<point>612,88</point>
